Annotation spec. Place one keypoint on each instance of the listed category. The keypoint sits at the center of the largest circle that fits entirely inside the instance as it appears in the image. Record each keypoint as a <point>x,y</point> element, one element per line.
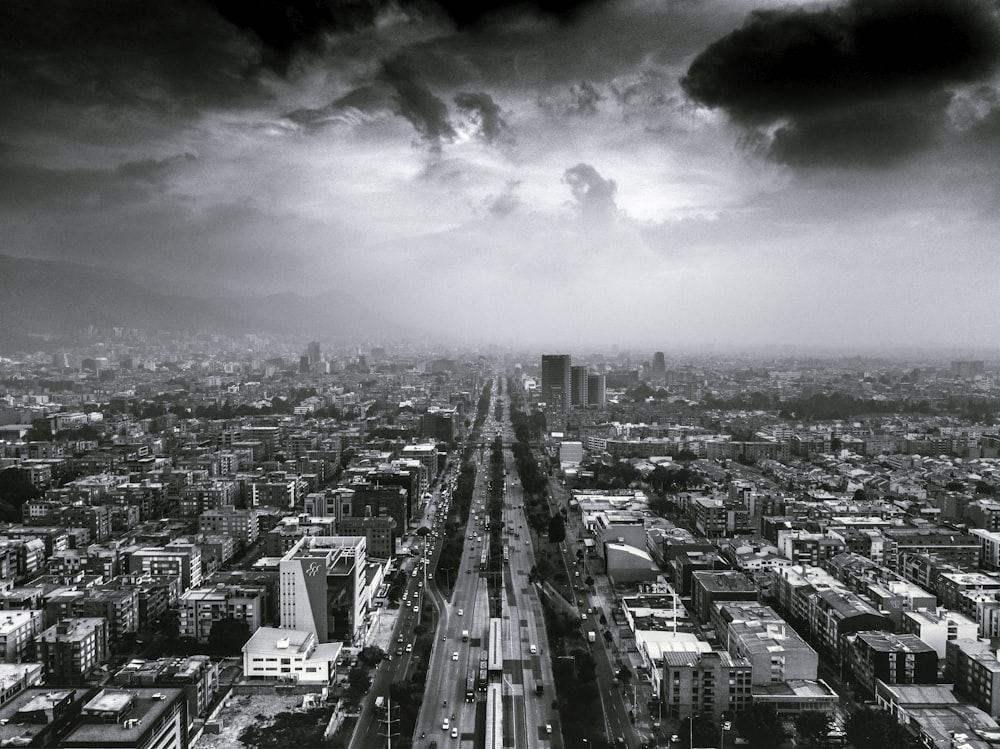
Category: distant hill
<point>62,298</point>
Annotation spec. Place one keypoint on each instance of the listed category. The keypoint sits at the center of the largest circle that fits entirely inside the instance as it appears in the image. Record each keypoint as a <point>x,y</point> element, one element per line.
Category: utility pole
<point>388,722</point>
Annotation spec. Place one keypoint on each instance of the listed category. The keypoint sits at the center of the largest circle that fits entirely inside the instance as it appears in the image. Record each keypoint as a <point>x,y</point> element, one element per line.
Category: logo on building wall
<point>312,569</point>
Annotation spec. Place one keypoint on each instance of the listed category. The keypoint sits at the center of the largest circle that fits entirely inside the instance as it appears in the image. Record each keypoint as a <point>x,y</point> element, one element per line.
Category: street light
<point>726,726</point>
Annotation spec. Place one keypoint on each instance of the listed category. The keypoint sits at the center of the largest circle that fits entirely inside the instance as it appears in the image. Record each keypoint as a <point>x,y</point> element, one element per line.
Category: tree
<point>874,729</point>
<point>228,636</point>
<point>608,637</point>
<point>860,495</point>
<point>357,679</point>
<point>812,725</point>
<point>625,675</point>
<point>761,726</point>
<point>557,529</point>
<point>15,489</point>
<point>371,656</point>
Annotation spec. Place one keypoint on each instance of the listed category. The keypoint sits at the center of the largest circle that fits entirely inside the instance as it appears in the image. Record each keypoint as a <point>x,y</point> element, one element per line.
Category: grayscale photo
<point>540,374</point>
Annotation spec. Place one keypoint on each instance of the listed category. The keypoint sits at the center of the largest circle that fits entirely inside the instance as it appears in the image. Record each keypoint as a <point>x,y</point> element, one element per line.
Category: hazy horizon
<point>686,172</point>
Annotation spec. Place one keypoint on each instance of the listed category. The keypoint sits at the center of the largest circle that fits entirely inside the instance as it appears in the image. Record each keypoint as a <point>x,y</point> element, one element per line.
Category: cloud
<point>485,114</point>
<point>580,99</point>
<point>416,103</point>
<point>507,202</point>
<point>832,80</point>
<point>353,108</point>
<point>594,194</point>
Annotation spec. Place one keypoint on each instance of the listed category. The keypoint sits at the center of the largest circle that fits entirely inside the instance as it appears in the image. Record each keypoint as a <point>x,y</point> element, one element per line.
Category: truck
<point>591,636</point>
<point>465,635</point>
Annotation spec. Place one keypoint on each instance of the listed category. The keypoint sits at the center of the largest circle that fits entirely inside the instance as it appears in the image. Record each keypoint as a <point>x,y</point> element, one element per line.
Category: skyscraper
<point>659,365</point>
<point>312,352</point>
<point>596,395</point>
<point>578,387</point>
<point>556,381</point>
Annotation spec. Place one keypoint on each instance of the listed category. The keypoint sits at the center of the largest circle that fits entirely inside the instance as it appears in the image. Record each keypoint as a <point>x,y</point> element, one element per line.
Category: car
<point>416,609</point>
<point>445,723</point>
<point>583,616</point>
<point>454,656</point>
<point>454,732</point>
<point>409,647</point>
<point>532,649</point>
<point>414,573</point>
<point>399,651</point>
<point>461,612</point>
<point>548,728</point>
<point>399,639</point>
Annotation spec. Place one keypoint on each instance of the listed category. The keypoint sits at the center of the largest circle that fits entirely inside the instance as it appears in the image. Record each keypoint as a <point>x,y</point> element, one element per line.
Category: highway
<point>526,715</point>
<point>446,677</point>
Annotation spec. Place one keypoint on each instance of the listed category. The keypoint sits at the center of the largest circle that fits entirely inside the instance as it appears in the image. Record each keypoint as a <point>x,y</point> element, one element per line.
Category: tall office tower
<point>659,364</point>
<point>578,387</point>
<point>321,587</point>
<point>595,390</point>
<point>312,352</point>
<point>556,380</point>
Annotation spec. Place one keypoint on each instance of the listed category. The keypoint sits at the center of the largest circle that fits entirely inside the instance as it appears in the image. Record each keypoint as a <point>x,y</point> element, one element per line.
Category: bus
<point>470,686</point>
<point>484,676</point>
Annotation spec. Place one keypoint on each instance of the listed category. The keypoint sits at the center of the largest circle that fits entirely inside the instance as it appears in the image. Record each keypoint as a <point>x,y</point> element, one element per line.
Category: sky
<point>555,173</point>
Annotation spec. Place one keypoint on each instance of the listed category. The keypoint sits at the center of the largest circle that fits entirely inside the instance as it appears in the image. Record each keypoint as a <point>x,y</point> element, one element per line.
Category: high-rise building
<point>659,365</point>
<point>556,381</point>
<point>596,395</point>
<point>578,387</point>
<point>322,586</point>
<point>312,352</point>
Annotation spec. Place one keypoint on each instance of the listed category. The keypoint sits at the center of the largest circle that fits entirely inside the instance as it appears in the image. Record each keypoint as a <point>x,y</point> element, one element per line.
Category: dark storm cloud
<point>416,103</point>
<point>121,53</point>
<point>367,100</point>
<point>594,194</point>
<point>287,25</point>
<point>492,126</point>
<point>35,189</point>
<point>864,81</point>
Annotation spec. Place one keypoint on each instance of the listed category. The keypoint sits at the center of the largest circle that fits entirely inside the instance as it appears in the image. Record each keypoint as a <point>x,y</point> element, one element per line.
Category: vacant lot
<point>242,711</point>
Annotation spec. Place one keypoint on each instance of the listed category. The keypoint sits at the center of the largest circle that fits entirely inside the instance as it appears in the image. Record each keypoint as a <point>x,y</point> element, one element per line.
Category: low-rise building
<point>137,718</point>
<point>290,655</point>
<point>72,649</point>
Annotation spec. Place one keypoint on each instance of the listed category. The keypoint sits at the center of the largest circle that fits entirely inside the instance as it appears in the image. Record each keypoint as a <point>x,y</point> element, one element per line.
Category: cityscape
<point>543,374</point>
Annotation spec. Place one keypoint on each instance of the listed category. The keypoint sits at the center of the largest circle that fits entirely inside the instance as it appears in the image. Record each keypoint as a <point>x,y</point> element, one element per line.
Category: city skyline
<point>686,173</point>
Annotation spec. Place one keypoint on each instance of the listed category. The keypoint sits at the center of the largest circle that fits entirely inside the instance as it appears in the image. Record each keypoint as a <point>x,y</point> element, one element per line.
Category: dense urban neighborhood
<point>249,542</point>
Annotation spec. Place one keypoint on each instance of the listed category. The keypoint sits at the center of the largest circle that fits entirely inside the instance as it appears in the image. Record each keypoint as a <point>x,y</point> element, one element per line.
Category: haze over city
<point>715,172</point>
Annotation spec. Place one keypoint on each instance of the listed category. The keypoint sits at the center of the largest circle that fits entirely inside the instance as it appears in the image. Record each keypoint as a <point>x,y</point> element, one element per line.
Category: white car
<point>454,732</point>
<point>445,724</point>
<point>416,609</point>
<point>409,647</point>
<point>454,656</point>
<point>532,649</point>
<point>461,612</point>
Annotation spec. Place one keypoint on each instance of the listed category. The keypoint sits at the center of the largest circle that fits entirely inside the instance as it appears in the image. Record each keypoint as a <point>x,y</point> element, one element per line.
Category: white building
<point>290,655</point>
<point>322,587</point>
<point>937,627</point>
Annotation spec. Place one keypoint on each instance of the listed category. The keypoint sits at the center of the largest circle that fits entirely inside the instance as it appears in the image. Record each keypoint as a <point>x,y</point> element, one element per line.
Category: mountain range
<point>59,298</point>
